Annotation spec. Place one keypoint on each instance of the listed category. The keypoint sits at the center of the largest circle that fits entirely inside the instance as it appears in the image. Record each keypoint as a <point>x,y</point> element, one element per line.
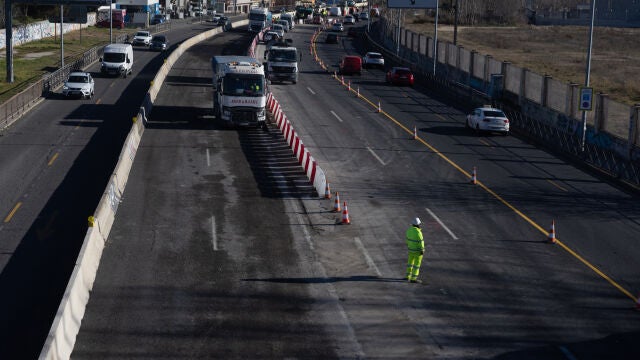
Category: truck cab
<point>282,63</point>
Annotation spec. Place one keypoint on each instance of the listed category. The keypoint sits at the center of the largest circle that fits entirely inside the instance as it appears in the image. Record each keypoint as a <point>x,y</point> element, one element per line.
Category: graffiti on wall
<point>40,30</point>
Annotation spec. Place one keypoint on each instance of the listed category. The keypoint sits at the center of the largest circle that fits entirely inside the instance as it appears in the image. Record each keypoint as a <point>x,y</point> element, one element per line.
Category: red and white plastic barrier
<point>314,172</point>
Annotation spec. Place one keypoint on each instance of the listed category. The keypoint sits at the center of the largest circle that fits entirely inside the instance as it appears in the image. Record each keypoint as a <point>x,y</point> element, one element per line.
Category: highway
<point>56,162</point>
<point>219,249</point>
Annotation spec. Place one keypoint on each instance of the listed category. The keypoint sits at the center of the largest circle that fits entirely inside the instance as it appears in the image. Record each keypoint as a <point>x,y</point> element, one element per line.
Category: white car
<point>337,27</point>
<point>78,84</point>
<point>141,38</point>
<point>488,118</point>
<point>278,29</point>
<point>373,59</point>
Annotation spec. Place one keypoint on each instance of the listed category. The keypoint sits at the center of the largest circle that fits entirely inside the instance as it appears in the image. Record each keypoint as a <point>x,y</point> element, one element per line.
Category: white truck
<point>240,94</point>
<point>259,19</point>
<point>282,63</point>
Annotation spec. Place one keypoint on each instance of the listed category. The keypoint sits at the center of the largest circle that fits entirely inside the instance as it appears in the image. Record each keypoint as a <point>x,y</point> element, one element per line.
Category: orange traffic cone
<point>379,107</point>
<point>474,177</point>
<point>349,86</point>
<point>345,215</point>
<point>342,79</point>
<point>552,232</point>
<point>358,92</point>
<point>415,133</point>
<point>336,203</point>
<point>327,192</point>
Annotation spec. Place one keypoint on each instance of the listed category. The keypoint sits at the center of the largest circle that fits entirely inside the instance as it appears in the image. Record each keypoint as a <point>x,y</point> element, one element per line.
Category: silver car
<point>373,59</point>
<point>79,84</point>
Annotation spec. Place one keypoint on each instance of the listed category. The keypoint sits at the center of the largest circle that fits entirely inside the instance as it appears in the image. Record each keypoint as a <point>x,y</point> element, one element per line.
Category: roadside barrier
<point>66,325</point>
<point>314,172</point>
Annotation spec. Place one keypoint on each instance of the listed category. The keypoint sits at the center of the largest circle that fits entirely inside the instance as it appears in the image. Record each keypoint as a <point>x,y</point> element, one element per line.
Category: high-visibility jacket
<point>415,241</point>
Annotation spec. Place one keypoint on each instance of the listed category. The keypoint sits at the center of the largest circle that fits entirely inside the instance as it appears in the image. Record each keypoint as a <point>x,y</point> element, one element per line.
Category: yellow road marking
<point>556,185</point>
<point>485,142</point>
<point>55,156</point>
<point>98,101</point>
<point>13,212</point>
<point>506,203</point>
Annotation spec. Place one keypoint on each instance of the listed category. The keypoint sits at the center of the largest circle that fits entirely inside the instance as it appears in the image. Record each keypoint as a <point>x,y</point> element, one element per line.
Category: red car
<point>400,76</point>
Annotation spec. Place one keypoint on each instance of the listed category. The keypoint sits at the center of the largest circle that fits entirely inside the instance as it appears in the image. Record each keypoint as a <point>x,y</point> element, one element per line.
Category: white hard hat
<point>416,221</point>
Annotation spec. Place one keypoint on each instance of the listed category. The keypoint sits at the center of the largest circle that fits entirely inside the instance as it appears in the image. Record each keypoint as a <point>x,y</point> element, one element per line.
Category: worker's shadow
<point>323,280</point>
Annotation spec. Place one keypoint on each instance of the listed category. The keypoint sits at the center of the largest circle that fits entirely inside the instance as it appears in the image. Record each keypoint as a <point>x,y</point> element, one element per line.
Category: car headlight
<point>65,87</point>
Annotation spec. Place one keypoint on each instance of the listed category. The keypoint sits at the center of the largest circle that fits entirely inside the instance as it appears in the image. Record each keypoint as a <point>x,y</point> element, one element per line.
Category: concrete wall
<point>40,30</point>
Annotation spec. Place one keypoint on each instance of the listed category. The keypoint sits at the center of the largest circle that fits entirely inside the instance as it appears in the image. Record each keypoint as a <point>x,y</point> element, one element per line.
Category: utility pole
<point>9,39</point>
<point>588,73</point>
<point>455,23</point>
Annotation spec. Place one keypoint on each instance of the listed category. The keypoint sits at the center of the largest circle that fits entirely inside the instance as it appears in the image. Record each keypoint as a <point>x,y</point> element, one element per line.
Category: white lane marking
<point>208,158</point>
<point>376,156</point>
<point>336,115</point>
<point>442,224</point>
<point>567,353</point>
<point>368,258</point>
<point>214,236</point>
<point>311,91</point>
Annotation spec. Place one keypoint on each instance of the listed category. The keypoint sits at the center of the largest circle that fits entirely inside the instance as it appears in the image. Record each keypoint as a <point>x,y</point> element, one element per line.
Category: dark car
<point>158,19</point>
<point>331,39</point>
<point>225,22</point>
<point>159,43</point>
<point>400,76</point>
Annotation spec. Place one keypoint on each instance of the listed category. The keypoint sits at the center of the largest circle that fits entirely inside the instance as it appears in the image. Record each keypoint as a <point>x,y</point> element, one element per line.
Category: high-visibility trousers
<point>413,265</point>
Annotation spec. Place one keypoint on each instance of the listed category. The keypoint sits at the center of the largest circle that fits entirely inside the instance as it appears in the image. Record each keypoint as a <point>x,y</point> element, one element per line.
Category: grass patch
<point>559,51</point>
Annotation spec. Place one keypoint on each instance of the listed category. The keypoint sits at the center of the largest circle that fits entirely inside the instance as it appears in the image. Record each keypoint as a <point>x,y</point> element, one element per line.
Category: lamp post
<point>588,73</point>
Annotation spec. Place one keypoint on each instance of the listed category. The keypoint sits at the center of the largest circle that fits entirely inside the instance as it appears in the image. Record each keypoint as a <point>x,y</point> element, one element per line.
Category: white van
<point>117,59</point>
<point>335,11</point>
<point>289,18</point>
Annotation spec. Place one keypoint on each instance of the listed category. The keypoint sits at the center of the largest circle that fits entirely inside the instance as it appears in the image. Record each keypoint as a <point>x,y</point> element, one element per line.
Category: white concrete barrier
<point>66,325</point>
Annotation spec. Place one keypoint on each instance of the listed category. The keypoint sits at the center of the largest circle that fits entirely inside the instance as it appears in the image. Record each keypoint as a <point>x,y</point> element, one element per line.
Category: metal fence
<point>543,109</point>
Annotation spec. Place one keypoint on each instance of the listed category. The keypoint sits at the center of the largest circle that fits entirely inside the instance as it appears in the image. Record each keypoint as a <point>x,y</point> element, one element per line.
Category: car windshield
<point>403,72</point>
<point>114,57</point>
<point>78,79</point>
<point>246,85</point>
<point>142,34</point>
<point>158,39</point>
<point>282,55</point>
<point>375,56</point>
<point>493,113</point>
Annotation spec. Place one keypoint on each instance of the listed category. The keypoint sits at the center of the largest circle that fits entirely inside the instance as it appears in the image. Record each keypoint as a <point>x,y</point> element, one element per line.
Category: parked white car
<point>141,38</point>
<point>488,118</point>
<point>79,84</point>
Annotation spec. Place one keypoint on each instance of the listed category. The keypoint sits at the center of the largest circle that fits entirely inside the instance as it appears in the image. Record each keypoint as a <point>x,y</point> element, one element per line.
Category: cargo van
<point>117,60</point>
<point>288,18</point>
<point>351,65</point>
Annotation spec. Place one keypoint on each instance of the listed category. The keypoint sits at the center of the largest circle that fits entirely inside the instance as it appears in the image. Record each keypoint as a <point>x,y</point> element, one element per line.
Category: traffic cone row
<point>336,205</point>
<point>552,233</point>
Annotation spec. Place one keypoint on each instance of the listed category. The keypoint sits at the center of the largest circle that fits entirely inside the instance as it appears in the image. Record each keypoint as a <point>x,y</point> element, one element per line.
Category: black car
<point>159,42</point>
<point>331,39</point>
<point>225,22</point>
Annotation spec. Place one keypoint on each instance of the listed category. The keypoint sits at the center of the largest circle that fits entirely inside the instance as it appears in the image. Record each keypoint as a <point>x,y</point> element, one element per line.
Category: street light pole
<point>455,23</point>
<point>435,41</point>
<point>588,73</point>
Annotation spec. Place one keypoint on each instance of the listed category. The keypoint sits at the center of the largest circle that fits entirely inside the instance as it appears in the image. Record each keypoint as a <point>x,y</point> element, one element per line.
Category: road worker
<point>415,245</point>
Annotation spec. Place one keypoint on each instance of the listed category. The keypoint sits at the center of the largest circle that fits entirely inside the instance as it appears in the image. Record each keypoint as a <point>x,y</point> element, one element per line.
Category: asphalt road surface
<point>56,162</point>
<point>220,251</point>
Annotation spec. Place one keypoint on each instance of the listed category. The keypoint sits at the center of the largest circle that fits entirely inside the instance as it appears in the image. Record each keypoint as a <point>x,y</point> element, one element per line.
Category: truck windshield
<point>257,17</point>
<point>282,55</point>
<point>243,85</point>
<point>114,57</point>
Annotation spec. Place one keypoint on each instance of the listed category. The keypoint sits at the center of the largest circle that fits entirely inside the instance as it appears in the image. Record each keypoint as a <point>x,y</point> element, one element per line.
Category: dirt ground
<point>559,51</point>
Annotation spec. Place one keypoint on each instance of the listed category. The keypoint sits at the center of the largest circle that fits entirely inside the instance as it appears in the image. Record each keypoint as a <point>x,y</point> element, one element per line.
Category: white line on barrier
<point>376,156</point>
<point>442,224</point>
<point>368,258</point>
<point>208,158</point>
<point>214,236</point>
<point>336,115</point>
<point>311,91</point>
